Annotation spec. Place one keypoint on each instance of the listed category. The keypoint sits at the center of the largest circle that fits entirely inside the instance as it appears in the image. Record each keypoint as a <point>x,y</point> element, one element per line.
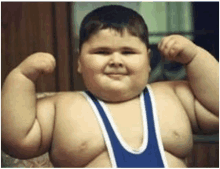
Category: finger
<point>45,63</point>
<point>52,66</point>
<point>50,60</point>
<point>163,48</point>
<point>176,50</point>
<point>160,43</point>
<point>53,62</point>
<point>168,48</point>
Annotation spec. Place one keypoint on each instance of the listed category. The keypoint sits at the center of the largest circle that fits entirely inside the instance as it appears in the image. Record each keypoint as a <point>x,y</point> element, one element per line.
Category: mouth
<point>116,76</point>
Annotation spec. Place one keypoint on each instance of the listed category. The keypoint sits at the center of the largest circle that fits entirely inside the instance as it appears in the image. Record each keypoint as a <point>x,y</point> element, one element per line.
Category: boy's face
<point>114,67</point>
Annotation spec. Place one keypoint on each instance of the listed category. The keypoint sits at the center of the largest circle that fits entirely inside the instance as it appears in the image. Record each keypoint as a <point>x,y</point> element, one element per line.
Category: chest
<point>79,136</point>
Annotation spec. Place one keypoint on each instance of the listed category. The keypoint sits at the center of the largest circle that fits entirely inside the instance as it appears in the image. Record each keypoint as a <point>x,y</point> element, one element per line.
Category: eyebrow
<point>94,49</point>
<point>130,48</point>
<point>109,48</point>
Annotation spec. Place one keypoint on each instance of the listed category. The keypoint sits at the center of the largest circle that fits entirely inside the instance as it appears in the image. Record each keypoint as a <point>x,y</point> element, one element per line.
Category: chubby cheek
<point>87,63</point>
<point>139,67</point>
<point>141,75</point>
<point>91,67</point>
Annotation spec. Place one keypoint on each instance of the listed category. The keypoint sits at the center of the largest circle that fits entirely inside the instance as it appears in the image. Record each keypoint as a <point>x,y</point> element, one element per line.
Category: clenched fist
<point>37,64</point>
<point>177,48</point>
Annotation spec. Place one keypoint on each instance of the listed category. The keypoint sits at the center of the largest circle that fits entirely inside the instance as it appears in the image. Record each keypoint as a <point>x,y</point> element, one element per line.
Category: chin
<point>116,95</point>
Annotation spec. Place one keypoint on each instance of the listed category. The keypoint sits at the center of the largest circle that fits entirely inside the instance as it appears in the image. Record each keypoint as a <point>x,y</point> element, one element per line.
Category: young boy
<point>121,121</point>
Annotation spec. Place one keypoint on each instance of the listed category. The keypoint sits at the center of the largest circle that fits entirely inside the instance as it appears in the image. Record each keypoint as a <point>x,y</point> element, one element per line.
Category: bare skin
<point>66,126</point>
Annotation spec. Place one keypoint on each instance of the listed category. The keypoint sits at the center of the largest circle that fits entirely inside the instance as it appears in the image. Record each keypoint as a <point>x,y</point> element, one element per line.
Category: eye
<point>128,52</point>
<point>102,52</point>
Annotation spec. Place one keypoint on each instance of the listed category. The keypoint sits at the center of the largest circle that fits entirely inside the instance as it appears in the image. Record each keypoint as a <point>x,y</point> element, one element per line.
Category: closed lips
<point>116,73</point>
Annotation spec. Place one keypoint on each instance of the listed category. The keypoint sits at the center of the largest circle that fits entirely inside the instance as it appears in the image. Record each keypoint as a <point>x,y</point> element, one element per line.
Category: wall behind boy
<point>29,27</point>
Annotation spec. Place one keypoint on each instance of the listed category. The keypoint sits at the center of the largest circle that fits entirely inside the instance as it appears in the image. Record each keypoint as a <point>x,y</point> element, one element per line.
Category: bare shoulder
<point>70,103</point>
<point>169,85</point>
<point>167,88</point>
<point>60,97</point>
<point>72,98</point>
<point>179,90</point>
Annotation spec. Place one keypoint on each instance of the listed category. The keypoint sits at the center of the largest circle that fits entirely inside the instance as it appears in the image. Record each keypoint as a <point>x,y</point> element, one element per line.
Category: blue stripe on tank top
<point>149,158</point>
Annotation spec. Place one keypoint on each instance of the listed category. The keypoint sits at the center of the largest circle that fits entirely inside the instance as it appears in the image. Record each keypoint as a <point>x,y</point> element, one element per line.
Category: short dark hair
<point>114,17</point>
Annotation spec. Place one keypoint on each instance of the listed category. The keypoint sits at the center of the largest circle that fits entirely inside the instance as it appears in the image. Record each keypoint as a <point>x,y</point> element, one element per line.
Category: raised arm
<point>22,130</point>
<point>203,79</point>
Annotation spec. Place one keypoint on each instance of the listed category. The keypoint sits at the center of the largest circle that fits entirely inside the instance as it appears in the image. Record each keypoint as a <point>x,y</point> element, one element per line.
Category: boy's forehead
<point>104,32</point>
<point>111,36</point>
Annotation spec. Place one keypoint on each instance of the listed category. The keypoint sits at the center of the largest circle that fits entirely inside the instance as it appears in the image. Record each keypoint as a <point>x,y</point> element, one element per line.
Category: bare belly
<point>103,161</point>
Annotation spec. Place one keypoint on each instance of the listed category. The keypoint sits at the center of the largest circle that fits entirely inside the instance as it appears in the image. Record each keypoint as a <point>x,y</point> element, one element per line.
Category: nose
<point>116,60</point>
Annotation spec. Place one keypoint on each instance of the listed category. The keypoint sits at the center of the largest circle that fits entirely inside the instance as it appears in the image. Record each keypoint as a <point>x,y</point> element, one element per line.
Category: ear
<point>149,53</point>
<point>149,56</point>
<point>149,68</point>
<point>79,69</point>
<point>78,62</point>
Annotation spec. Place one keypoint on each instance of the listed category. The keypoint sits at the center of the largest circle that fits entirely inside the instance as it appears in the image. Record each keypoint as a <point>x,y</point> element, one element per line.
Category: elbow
<point>17,149</point>
<point>21,146</point>
<point>13,149</point>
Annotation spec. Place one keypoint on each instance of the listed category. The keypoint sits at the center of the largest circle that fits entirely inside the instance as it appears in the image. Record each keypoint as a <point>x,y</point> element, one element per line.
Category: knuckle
<point>45,67</point>
<point>44,55</point>
<point>171,52</point>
